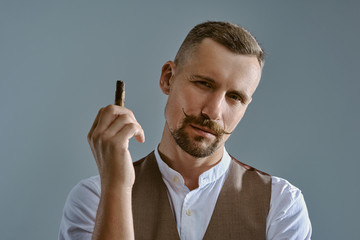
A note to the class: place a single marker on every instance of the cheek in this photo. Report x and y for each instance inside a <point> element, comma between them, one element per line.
<point>173,112</point>
<point>233,118</point>
<point>187,99</point>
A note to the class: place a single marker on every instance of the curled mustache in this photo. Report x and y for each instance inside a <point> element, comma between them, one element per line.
<point>205,122</point>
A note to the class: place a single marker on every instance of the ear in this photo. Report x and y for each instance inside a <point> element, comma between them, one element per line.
<point>167,76</point>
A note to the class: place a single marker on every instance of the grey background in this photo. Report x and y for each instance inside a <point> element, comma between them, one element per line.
<point>59,61</point>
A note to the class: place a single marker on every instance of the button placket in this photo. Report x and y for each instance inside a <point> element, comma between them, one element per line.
<point>187,200</point>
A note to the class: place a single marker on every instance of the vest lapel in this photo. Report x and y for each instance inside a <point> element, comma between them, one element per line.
<point>153,217</point>
<point>240,212</point>
<point>242,206</point>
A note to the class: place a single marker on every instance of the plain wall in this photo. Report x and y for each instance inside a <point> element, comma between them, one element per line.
<point>59,61</point>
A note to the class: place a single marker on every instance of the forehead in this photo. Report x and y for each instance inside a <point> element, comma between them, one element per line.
<point>214,60</point>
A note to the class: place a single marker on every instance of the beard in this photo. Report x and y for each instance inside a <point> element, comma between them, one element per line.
<point>198,146</point>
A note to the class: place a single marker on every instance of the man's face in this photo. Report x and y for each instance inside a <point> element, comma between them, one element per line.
<point>208,96</point>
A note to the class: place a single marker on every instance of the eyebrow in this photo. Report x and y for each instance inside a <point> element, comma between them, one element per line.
<point>246,98</point>
<point>203,77</point>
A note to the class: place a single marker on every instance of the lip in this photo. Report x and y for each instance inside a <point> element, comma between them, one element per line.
<point>203,130</point>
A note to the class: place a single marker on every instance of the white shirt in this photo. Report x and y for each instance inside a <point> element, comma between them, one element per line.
<point>287,219</point>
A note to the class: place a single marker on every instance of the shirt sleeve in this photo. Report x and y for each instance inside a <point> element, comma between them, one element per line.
<point>288,216</point>
<point>80,209</point>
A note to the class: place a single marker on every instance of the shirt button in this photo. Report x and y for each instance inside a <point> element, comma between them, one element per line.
<point>176,179</point>
<point>188,212</point>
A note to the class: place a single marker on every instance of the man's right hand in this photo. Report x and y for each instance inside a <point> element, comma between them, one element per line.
<point>109,141</point>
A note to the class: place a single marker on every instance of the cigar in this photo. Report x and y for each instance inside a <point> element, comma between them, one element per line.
<point>120,93</point>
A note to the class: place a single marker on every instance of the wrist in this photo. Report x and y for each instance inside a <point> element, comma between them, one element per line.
<point>116,187</point>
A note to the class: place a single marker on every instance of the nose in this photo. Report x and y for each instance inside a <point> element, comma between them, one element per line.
<point>213,106</point>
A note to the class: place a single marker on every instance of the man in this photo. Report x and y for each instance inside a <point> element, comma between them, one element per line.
<point>189,187</point>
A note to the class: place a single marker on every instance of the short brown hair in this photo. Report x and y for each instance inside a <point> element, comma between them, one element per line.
<point>233,37</point>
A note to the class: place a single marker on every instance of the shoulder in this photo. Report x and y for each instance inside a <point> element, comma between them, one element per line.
<point>145,161</point>
<point>285,196</point>
<point>253,175</point>
<point>248,167</point>
<point>86,190</point>
<point>80,209</point>
<point>84,195</point>
<point>89,184</point>
<point>140,161</point>
<point>288,215</point>
<point>284,190</point>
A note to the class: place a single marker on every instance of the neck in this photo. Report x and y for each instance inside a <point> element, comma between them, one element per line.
<point>188,166</point>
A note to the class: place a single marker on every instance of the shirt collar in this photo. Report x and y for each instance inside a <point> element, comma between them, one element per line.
<point>211,175</point>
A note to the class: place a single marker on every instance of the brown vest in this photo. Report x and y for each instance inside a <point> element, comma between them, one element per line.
<point>240,212</point>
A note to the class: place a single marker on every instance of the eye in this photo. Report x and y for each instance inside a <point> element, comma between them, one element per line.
<point>235,97</point>
<point>204,84</point>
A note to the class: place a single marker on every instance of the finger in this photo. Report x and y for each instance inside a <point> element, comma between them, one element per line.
<point>119,123</point>
<point>108,115</point>
<point>128,131</point>
<point>140,137</point>
<point>126,121</point>
<point>95,123</point>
